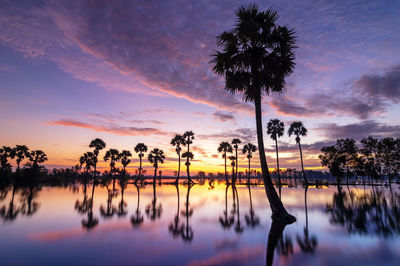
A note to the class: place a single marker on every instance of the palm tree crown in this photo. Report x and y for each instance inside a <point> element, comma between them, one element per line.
<point>113,155</point>
<point>21,152</point>
<point>156,156</point>
<point>37,157</point>
<point>275,128</point>
<point>225,147</point>
<point>249,149</point>
<point>297,128</point>
<point>97,144</point>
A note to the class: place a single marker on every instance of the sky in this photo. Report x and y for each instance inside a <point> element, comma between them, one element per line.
<point>138,71</point>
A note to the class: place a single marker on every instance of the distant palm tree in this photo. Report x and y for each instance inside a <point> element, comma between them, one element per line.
<point>249,149</point>
<point>235,143</point>
<point>257,55</point>
<point>98,145</point>
<point>177,141</point>
<point>124,155</point>
<point>276,129</point>
<point>20,152</point>
<point>140,148</point>
<point>155,157</point>
<point>233,163</point>
<point>37,157</point>
<point>113,156</point>
<point>87,159</point>
<point>297,129</point>
<point>5,153</point>
<point>189,137</point>
<point>137,218</point>
<point>225,148</point>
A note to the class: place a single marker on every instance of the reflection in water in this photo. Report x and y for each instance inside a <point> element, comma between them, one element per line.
<point>374,212</point>
<point>307,244</point>
<point>137,217</point>
<point>110,209</point>
<point>152,210</point>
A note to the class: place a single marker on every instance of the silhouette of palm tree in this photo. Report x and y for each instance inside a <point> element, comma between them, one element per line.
<point>175,228</point>
<point>20,152</point>
<point>238,226</point>
<point>37,157</point>
<point>307,244</point>
<point>297,129</point>
<point>235,143</point>
<point>82,207</point>
<point>226,222</point>
<point>29,205</point>
<point>124,155</point>
<point>177,141</point>
<point>113,156</point>
<point>225,147</point>
<point>87,159</point>
<point>251,219</point>
<point>110,209</point>
<point>155,157</point>
<point>276,129</point>
<point>122,205</point>
<point>140,148</point>
<point>257,55</point>
<point>5,153</point>
<point>249,149</point>
<point>137,218</point>
<point>187,231</point>
<point>233,163</point>
<point>188,137</point>
<point>98,145</point>
<point>152,210</point>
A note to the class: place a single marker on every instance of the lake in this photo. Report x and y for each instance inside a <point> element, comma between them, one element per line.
<point>206,224</point>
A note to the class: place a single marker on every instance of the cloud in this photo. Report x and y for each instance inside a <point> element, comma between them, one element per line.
<point>113,129</point>
<point>359,130</point>
<point>386,86</point>
<point>244,134</point>
<point>223,117</point>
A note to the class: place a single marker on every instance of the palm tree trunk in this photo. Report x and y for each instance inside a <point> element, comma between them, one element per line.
<point>155,175</point>
<point>179,167</point>
<point>187,164</point>
<point>236,163</point>
<point>226,175</point>
<point>277,160</point>
<point>248,174</point>
<point>302,165</point>
<point>278,210</point>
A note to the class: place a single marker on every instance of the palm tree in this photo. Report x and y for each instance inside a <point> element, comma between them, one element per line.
<point>114,156</point>
<point>98,145</point>
<point>177,141</point>
<point>225,147</point>
<point>257,55</point>
<point>87,159</point>
<point>249,149</point>
<point>21,152</point>
<point>5,153</point>
<point>124,155</point>
<point>276,129</point>
<point>155,157</point>
<point>235,143</point>
<point>140,148</point>
<point>137,218</point>
<point>233,163</point>
<point>37,157</point>
<point>188,137</point>
<point>297,129</point>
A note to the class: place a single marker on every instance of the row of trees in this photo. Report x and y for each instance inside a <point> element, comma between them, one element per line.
<point>373,158</point>
<point>20,153</point>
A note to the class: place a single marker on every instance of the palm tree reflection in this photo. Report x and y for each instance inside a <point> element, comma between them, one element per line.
<point>137,217</point>
<point>91,221</point>
<point>187,231</point>
<point>175,228</point>
<point>225,221</point>
<point>238,226</point>
<point>29,205</point>
<point>152,210</point>
<point>10,213</point>
<point>251,218</point>
<point>307,244</point>
<point>122,205</point>
<point>109,210</point>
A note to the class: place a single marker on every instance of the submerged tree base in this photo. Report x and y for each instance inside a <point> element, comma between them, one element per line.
<point>284,218</point>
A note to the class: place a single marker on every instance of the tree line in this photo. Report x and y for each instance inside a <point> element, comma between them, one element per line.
<point>373,158</point>
<point>20,153</point>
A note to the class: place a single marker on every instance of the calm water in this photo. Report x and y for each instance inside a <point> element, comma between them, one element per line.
<point>205,226</point>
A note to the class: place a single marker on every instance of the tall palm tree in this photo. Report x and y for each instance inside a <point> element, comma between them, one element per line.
<point>20,152</point>
<point>225,148</point>
<point>87,159</point>
<point>276,129</point>
<point>297,128</point>
<point>124,155</point>
<point>177,141</point>
<point>249,149</point>
<point>257,55</point>
<point>98,145</point>
<point>233,163</point>
<point>189,137</point>
<point>140,148</point>
<point>37,157</point>
<point>5,153</point>
<point>155,157</point>
<point>235,143</point>
<point>113,156</point>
